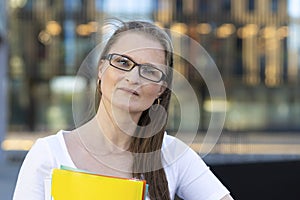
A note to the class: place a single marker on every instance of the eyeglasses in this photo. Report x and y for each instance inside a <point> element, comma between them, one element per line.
<point>147,71</point>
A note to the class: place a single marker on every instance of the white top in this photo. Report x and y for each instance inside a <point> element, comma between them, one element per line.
<point>188,176</point>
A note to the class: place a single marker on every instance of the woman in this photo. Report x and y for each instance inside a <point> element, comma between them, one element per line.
<point>126,137</point>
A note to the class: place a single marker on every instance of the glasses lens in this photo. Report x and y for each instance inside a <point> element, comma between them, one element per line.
<point>151,73</point>
<point>121,62</point>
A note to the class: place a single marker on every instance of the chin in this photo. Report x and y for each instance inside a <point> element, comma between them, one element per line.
<point>129,108</point>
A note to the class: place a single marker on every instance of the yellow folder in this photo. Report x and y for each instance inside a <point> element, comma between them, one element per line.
<point>77,185</point>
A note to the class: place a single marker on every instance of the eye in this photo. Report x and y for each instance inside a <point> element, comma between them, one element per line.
<point>121,62</point>
<point>149,70</point>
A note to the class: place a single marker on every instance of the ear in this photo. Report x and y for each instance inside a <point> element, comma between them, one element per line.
<point>161,90</point>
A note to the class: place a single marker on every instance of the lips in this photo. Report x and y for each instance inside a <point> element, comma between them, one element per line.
<point>132,91</point>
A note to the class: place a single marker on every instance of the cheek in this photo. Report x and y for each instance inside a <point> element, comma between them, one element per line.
<point>151,91</point>
<point>108,81</point>
<point>150,95</point>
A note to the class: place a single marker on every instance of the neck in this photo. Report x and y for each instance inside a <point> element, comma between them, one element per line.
<point>117,125</point>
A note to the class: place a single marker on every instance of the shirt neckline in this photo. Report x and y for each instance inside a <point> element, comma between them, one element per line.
<point>64,148</point>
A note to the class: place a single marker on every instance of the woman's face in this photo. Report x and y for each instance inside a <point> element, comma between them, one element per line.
<point>127,89</point>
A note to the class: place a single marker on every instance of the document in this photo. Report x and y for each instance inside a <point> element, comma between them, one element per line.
<point>73,184</point>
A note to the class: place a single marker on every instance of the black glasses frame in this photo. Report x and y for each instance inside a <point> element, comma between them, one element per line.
<point>109,58</point>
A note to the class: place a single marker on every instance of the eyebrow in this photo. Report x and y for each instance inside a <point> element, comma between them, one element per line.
<point>146,63</point>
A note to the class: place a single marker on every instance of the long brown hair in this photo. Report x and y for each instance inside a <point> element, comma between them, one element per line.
<point>147,162</point>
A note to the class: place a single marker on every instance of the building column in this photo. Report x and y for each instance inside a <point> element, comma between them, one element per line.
<point>3,74</point>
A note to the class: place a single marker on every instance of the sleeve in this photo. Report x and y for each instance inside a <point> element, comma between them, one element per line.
<point>196,181</point>
<point>36,167</point>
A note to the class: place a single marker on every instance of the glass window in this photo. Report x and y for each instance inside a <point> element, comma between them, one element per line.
<point>226,5</point>
<point>56,45</point>
<point>274,6</point>
<point>251,5</point>
<point>203,6</point>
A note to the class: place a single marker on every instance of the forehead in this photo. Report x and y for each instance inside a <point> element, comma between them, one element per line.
<point>140,46</point>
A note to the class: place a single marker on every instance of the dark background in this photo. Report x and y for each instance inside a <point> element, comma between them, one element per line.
<point>265,180</point>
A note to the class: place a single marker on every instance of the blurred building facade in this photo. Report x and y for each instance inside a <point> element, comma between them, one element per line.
<point>3,73</point>
<point>254,44</point>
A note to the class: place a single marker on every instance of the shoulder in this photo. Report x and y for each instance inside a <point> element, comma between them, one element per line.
<point>180,157</point>
<point>181,163</point>
<point>43,148</point>
<point>187,173</point>
<point>36,168</point>
<point>52,141</point>
<point>176,151</point>
<point>42,157</point>
<point>45,151</point>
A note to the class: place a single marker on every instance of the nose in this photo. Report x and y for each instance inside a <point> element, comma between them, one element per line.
<point>133,75</point>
